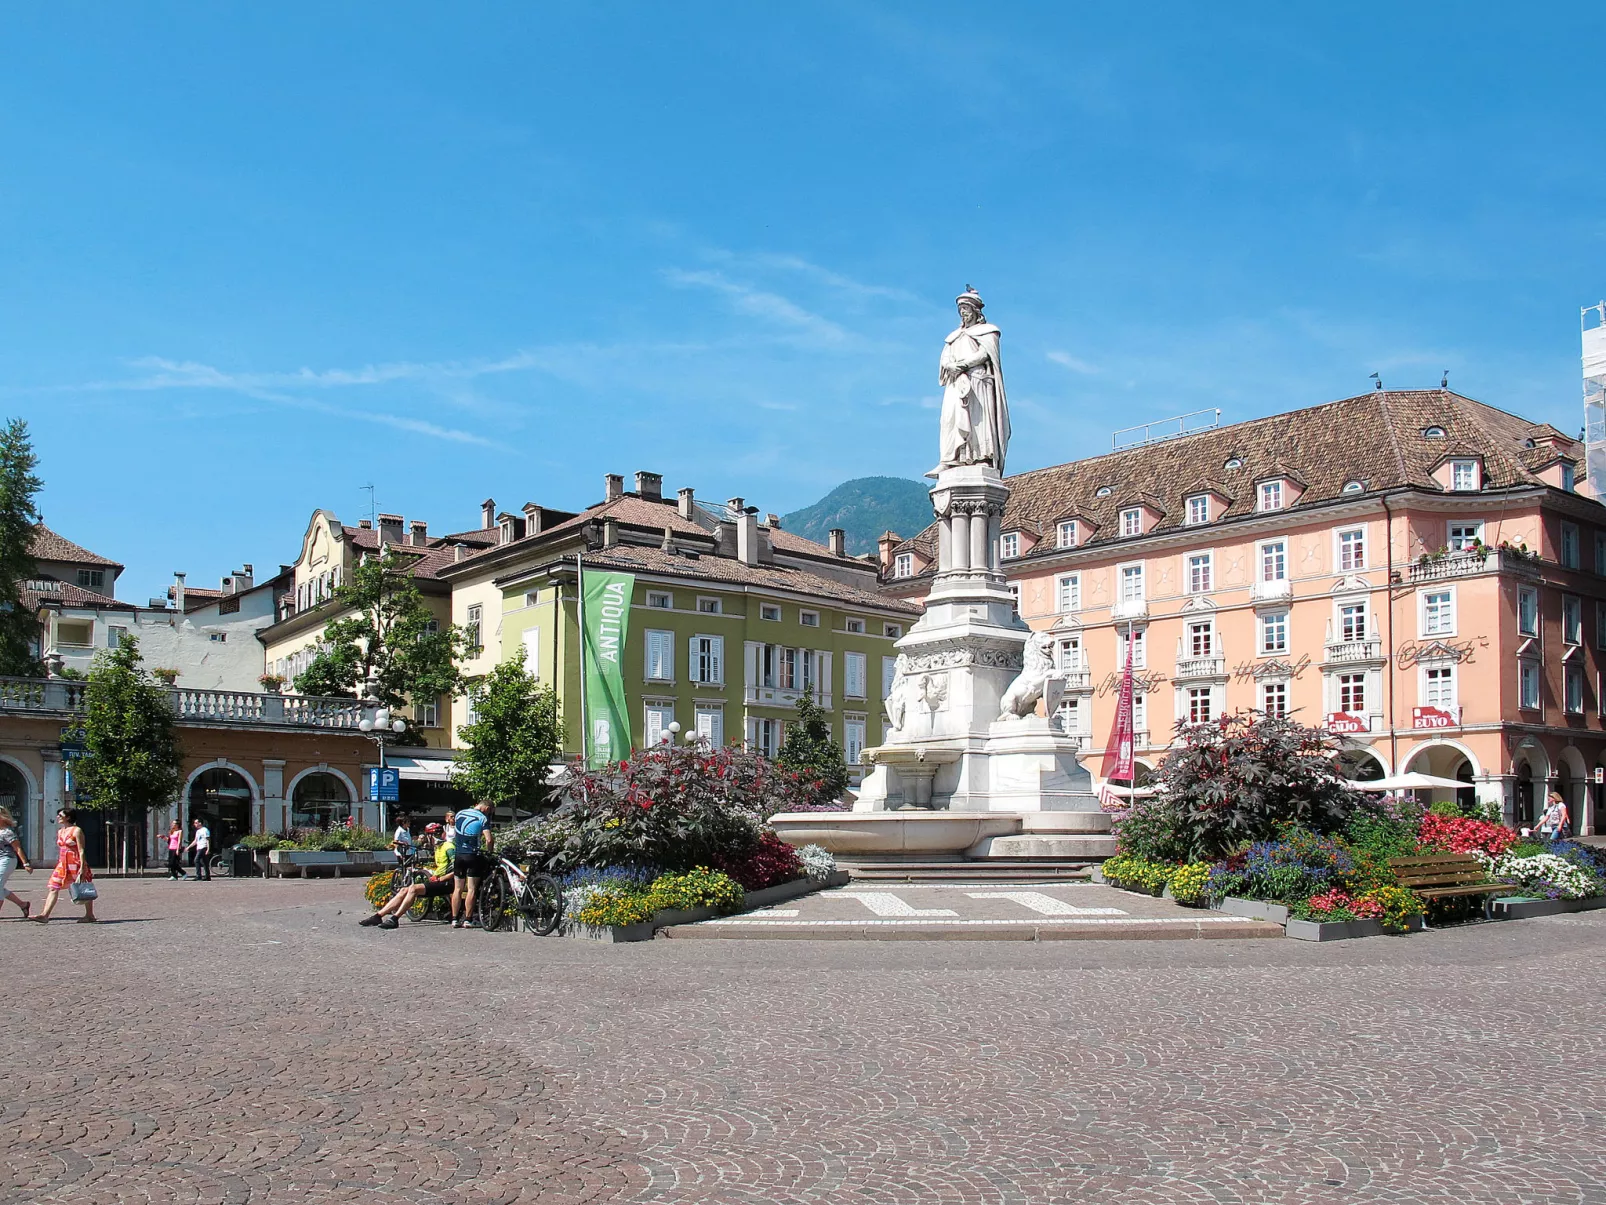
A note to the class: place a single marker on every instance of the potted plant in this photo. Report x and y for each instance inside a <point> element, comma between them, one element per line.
<point>272,683</point>
<point>168,677</point>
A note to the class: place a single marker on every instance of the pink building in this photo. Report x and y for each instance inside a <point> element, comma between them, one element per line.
<point>1413,569</point>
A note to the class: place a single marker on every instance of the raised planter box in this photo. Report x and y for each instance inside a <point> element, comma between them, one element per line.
<point>1514,907</point>
<point>1277,914</point>
<point>301,862</point>
<point>752,900</point>
<point>1309,930</point>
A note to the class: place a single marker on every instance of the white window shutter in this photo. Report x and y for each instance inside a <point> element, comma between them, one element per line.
<point>825,673</point>
<point>655,725</point>
<point>752,653</point>
<point>717,658</point>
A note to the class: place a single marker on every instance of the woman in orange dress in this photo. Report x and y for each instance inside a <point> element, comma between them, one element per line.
<point>71,867</point>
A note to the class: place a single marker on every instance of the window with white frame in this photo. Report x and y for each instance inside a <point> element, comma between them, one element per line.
<point>92,579</point>
<point>1132,521</point>
<point>214,637</point>
<point>1009,545</point>
<point>1140,646</point>
<point>1352,621</point>
<point>427,715</point>
<point>852,740</point>
<point>1572,619</point>
<point>1131,583</point>
<point>854,625</point>
<point>1274,699</point>
<point>1070,653</point>
<point>1438,687</point>
<point>889,670</point>
<point>1569,545</point>
<point>1352,549</point>
<point>1463,474</point>
<point>1572,681</point>
<point>770,612</point>
<point>903,565</point>
<point>892,630</point>
<point>471,702</point>
<point>658,718</point>
<point>661,600</point>
<point>853,675</point>
<point>1140,711</point>
<point>1438,613</point>
<point>1014,597</point>
<point>809,619</point>
<point>764,736</point>
<point>1198,510</point>
<point>1065,535</point>
<point>1201,639</point>
<point>1200,573</point>
<point>708,659</point>
<point>1528,685</point>
<point>1352,694</point>
<point>1068,593</point>
<point>1463,535</point>
<point>473,627</point>
<point>1069,714</point>
<point>709,606</point>
<point>1569,478</point>
<point>1527,611</point>
<point>1271,495</point>
<point>711,724</point>
<point>1274,632</point>
<point>1199,699</point>
<point>115,634</point>
<point>660,656</point>
<point>1274,561</point>
<point>532,598</point>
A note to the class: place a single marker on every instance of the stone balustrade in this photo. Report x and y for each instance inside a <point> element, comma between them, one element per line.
<point>60,695</point>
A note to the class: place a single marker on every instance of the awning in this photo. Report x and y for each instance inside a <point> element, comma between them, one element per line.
<point>421,769</point>
<point>1409,782</point>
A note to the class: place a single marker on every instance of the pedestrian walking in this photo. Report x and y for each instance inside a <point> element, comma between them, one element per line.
<point>469,864</point>
<point>202,845</point>
<point>175,851</point>
<point>1555,823</point>
<point>72,870</point>
<point>11,856</point>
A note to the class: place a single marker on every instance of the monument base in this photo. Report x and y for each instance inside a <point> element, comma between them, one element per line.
<point>913,835</point>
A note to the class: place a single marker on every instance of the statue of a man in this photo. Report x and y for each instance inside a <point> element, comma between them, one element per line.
<point>975,413</point>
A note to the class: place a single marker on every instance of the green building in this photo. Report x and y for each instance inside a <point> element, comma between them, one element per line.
<point>731,618</point>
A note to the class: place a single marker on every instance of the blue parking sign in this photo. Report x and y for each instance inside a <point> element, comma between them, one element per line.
<point>384,784</point>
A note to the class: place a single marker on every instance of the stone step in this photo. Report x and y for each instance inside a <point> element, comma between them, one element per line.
<point>992,870</point>
<point>1138,930</point>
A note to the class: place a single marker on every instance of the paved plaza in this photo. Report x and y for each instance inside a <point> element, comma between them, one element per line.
<point>247,1042</point>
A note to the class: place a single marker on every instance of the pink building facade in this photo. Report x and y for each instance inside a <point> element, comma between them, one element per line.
<point>1413,570</point>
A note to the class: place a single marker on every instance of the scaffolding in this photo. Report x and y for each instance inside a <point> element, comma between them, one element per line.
<point>1592,325</point>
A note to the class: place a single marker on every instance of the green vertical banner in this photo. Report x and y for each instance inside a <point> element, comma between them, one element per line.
<point>605,601</point>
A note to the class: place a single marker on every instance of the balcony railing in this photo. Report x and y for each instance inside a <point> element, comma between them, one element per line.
<point>1130,608</point>
<point>1471,561</point>
<point>193,706</point>
<point>1264,591</point>
<point>1078,677</point>
<point>781,696</point>
<point>1213,665</point>
<point>1342,651</point>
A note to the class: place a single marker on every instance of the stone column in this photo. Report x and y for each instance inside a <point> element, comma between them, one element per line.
<point>272,815</point>
<point>982,550</point>
<point>959,543</point>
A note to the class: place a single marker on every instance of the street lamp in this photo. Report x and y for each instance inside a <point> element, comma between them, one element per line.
<point>667,736</point>
<point>377,725</point>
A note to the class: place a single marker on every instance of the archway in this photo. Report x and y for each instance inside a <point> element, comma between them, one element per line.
<point>1529,783</point>
<point>1142,774</point>
<point>1571,780</point>
<point>319,799</point>
<point>17,799</point>
<point>1446,759</point>
<point>221,796</point>
<point>1361,764</point>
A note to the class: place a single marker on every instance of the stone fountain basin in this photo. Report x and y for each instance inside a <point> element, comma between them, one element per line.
<point>893,833</point>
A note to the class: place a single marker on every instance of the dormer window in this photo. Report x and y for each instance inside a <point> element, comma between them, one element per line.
<point>1569,478</point>
<point>1132,521</point>
<point>1009,545</point>
<point>1233,462</point>
<point>903,565</point>
<point>1463,474</point>
<point>1198,510</point>
<point>1104,491</point>
<point>1065,536</point>
<point>1271,495</point>
<point>1354,487</point>
<point>1432,432</point>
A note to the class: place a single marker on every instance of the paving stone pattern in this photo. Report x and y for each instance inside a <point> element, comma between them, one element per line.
<point>246,1042</point>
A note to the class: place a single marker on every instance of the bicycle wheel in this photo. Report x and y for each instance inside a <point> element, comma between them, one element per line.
<point>490,905</point>
<point>419,909</point>
<point>542,904</point>
<point>222,867</point>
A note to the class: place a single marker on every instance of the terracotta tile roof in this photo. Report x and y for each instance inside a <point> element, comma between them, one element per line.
<point>728,571</point>
<point>790,541</point>
<point>1376,438</point>
<point>484,537</point>
<point>48,591</point>
<point>48,546</point>
<point>638,512</point>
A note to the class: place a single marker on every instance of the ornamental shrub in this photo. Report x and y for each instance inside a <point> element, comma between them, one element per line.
<point>818,862</point>
<point>1290,870</point>
<point>1152,829</point>
<point>1394,907</point>
<point>605,906</point>
<point>1247,776</point>
<point>1190,882</point>
<point>815,760</point>
<point>1461,835</point>
<point>1136,874</point>
<point>379,888</point>
<point>700,888</point>
<point>769,862</point>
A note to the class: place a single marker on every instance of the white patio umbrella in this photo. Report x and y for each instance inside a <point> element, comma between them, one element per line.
<point>1409,782</point>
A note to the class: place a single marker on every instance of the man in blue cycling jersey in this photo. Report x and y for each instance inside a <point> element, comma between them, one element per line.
<point>472,861</point>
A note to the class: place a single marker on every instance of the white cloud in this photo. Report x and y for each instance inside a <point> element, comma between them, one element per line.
<point>759,302</point>
<point>1067,360</point>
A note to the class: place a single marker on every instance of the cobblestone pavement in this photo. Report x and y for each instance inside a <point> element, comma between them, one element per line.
<point>246,1042</point>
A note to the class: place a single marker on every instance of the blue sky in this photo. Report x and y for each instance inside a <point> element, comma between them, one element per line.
<point>252,258</point>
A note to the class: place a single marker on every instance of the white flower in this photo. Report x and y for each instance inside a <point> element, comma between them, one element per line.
<point>1538,872</point>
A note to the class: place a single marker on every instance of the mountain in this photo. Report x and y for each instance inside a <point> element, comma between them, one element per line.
<point>864,508</point>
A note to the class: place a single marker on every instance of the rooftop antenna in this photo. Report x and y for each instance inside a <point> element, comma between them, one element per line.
<point>373,512</point>
<point>1378,379</point>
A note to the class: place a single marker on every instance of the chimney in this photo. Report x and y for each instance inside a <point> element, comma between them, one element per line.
<point>772,521</point>
<point>365,524</point>
<point>837,541</point>
<point>668,544</point>
<point>249,570</point>
<point>457,552</point>
<point>533,519</point>
<point>178,592</point>
<point>390,529</point>
<point>736,506</point>
<point>419,537</point>
<point>888,541</point>
<point>610,531</point>
<point>747,536</point>
<point>488,514</point>
<point>650,486</point>
<point>688,503</point>
<point>613,486</point>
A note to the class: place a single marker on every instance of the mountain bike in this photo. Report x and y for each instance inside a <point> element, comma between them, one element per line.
<point>508,890</point>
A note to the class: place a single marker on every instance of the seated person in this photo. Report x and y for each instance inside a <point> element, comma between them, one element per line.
<point>437,886</point>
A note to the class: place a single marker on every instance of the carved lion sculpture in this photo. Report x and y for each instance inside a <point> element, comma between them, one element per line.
<point>1020,700</point>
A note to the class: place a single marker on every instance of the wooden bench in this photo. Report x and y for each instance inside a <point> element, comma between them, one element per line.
<point>1446,876</point>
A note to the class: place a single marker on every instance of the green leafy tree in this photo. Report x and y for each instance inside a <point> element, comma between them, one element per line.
<point>509,748</point>
<point>810,752</point>
<point>389,634</point>
<point>19,484</point>
<point>133,760</point>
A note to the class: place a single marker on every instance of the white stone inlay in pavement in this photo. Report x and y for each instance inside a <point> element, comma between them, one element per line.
<point>1069,922</point>
<point>776,912</point>
<point>1043,905</point>
<point>885,903</point>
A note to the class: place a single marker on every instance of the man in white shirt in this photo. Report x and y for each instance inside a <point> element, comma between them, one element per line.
<point>202,845</point>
